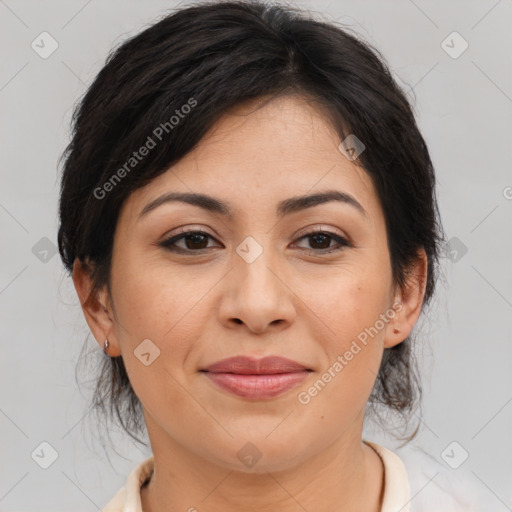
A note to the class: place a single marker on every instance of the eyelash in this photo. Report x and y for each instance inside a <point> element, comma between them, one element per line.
<point>168,243</point>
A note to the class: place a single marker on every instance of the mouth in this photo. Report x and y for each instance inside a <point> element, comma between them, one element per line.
<point>256,378</point>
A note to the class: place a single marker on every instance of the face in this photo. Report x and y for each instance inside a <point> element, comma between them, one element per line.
<point>310,282</point>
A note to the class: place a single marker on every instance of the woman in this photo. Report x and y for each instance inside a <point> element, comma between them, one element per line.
<point>248,212</point>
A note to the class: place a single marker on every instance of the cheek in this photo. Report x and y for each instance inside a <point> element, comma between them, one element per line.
<point>166,315</point>
<point>352,359</point>
<point>352,299</point>
<point>154,304</point>
<point>352,307</point>
<point>153,297</point>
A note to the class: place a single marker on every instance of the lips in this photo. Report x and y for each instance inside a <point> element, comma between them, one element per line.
<point>250,366</point>
<point>256,378</point>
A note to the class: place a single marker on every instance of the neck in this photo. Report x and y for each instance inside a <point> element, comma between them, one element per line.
<point>346,476</point>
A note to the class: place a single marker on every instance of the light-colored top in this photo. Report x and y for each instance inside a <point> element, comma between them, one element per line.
<point>429,492</point>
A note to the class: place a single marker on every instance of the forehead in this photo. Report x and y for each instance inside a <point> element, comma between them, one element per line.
<point>263,152</point>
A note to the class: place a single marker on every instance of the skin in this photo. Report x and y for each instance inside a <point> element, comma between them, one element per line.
<point>203,306</point>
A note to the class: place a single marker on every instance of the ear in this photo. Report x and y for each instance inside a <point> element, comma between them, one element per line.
<point>408,301</point>
<point>96,308</point>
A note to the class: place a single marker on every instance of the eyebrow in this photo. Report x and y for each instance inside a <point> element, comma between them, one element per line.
<point>285,207</point>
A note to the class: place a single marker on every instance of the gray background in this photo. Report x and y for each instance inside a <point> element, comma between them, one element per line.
<point>464,110</point>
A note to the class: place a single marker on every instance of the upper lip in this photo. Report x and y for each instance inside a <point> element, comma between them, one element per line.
<point>253,366</point>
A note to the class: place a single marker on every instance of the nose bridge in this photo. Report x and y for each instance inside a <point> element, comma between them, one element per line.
<point>253,265</point>
<point>258,296</point>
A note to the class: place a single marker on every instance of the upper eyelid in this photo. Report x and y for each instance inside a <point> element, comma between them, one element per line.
<point>302,232</point>
<point>319,229</point>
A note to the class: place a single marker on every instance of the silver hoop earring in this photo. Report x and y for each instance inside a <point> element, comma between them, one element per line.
<point>105,347</point>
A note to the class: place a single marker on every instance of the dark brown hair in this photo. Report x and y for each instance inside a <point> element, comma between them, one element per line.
<point>222,54</point>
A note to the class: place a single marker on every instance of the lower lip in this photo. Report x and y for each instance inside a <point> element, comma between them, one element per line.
<point>257,386</point>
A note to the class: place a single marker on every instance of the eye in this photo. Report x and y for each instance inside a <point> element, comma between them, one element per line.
<point>197,241</point>
<point>194,241</point>
<point>323,239</point>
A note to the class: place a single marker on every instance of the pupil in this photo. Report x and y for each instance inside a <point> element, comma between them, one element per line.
<point>195,239</point>
<point>325,239</point>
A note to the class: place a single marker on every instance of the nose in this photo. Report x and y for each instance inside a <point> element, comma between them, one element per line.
<point>256,295</point>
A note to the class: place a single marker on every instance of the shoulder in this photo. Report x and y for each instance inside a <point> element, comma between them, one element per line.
<point>127,499</point>
<point>116,504</point>
<point>436,487</point>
